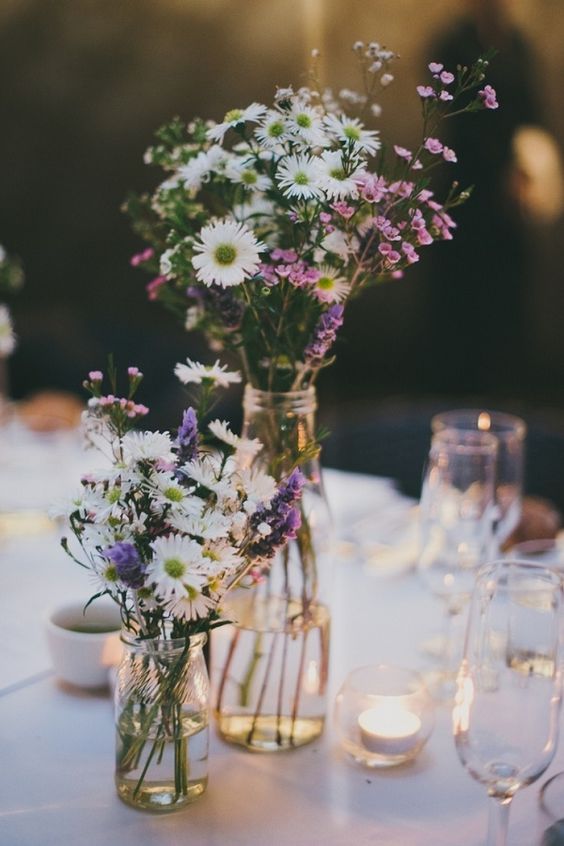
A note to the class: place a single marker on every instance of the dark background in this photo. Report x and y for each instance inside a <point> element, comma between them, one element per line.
<point>83,86</point>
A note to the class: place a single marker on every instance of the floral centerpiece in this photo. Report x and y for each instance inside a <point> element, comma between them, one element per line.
<point>269,222</point>
<point>166,529</point>
<point>266,225</point>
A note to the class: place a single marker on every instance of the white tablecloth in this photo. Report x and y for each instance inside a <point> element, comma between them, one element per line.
<point>56,779</point>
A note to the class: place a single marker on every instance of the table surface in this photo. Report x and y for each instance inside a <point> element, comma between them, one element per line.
<point>56,781</point>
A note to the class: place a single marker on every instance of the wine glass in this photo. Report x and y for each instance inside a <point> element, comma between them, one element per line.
<point>548,552</point>
<point>510,432</point>
<point>456,531</point>
<point>507,704</point>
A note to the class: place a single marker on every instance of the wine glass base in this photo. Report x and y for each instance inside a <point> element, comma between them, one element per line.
<point>552,798</point>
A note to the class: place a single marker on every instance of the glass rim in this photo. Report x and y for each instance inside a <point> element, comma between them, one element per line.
<point>510,424</point>
<point>500,564</point>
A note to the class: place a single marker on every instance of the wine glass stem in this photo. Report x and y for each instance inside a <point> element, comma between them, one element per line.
<point>498,821</point>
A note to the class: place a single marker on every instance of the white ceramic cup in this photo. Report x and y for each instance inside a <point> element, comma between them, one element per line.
<point>84,645</point>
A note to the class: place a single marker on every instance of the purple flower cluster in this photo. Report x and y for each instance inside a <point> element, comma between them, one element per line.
<point>282,517</point>
<point>130,568</point>
<point>286,265</point>
<point>187,436</point>
<point>324,335</point>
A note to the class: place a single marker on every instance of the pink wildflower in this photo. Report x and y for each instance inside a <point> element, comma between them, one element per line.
<point>425,91</point>
<point>402,152</point>
<point>343,209</point>
<point>372,188</point>
<point>153,287</point>
<point>433,145</point>
<point>133,372</point>
<point>446,77</point>
<point>140,258</point>
<point>489,97</point>
<point>397,274</point>
<point>95,375</point>
<point>435,67</point>
<point>417,165</point>
<point>424,237</point>
<point>445,96</point>
<point>325,217</point>
<point>425,195</point>
<point>409,252</point>
<point>449,155</point>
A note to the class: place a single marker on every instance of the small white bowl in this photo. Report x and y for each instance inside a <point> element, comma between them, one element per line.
<point>84,645</point>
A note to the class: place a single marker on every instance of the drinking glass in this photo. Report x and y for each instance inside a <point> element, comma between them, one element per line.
<point>510,432</point>
<point>456,530</point>
<point>507,704</point>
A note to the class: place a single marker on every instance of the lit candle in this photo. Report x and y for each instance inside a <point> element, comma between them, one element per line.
<point>389,728</point>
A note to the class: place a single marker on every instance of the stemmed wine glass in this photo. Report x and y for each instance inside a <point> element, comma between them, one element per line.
<point>507,704</point>
<point>510,432</point>
<point>456,529</point>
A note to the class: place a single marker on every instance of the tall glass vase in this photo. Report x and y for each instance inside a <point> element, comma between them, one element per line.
<point>270,667</point>
<point>162,705</point>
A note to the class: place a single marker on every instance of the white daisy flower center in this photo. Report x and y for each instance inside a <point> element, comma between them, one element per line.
<point>173,494</point>
<point>225,254</point>
<point>276,129</point>
<point>233,115</point>
<point>301,178</point>
<point>352,132</point>
<point>326,283</point>
<point>174,568</point>
<point>338,173</point>
<point>304,121</point>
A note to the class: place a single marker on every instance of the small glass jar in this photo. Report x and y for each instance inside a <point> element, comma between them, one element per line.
<point>162,704</point>
<point>383,715</point>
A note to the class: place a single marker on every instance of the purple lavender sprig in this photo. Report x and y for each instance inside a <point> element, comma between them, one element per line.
<point>282,517</point>
<point>129,567</point>
<point>187,437</point>
<point>324,335</point>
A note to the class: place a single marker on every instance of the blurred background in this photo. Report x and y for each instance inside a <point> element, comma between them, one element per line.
<point>85,83</point>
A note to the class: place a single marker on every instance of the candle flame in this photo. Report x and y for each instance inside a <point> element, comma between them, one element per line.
<point>484,421</point>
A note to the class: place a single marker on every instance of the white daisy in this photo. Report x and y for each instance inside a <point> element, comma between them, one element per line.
<point>7,336</point>
<point>195,373</point>
<point>192,605</point>
<point>167,491</point>
<point>330,287</point>
<point>298,177</point>
<point>306,124</point>
<point>234,117</point>
<point>333,179</point>
<point>273,130</point>
<point>192,174</point>
<point>258,486</point>
<point>207,471</point>
<point>147,446</point>
<point>227,254</point>
<point>351,130</point>
<point>242,172</point>
<point>210,525</point>
<point>177,566</point>
<point>223,557</point>
<point>244,447</point>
